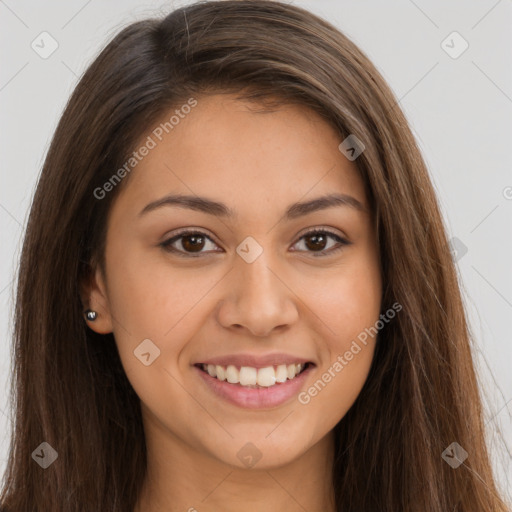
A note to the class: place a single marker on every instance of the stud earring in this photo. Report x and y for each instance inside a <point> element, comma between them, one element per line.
<point>91,315</point>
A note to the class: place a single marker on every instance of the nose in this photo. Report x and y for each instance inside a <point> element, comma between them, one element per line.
<point>258,298</point>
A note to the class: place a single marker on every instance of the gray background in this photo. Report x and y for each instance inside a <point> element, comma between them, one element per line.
<point>460,110</point>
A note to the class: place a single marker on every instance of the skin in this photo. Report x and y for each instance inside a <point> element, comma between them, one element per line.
<point>287,300</point>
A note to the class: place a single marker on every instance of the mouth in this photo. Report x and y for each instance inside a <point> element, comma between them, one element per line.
<point>248,387</point>
<point>255,378</point>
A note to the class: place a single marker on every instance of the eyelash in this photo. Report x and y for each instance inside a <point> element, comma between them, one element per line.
<point>167,244</point>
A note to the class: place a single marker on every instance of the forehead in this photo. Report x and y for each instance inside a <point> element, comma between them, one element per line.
<point>224,148</point>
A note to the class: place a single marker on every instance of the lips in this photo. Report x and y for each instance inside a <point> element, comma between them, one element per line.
<point>255,381</point>
<point>255,396</point>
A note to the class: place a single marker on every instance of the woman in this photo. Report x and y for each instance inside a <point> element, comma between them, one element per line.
<point>236,290</point>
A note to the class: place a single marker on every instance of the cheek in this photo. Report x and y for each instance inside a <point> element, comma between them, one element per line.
<point>152,301</point>
<point>349,308</point>
<point>349,302</point>
<point>148,296</point>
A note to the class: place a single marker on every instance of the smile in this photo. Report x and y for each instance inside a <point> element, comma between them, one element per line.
<point>248,376</point>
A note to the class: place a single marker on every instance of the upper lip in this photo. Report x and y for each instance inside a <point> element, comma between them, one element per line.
<point>255,361</point>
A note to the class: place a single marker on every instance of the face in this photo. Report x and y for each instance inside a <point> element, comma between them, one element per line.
<point>266,277</point>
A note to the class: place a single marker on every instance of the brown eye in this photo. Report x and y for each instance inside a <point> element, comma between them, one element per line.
<point>193,243</point>
<point>189,243</point>
<point>317,241</point>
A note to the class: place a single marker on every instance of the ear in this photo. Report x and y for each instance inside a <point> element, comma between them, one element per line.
<point>94,296</point>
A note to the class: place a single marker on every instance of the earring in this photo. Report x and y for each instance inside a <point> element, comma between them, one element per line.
<point>91,315</point>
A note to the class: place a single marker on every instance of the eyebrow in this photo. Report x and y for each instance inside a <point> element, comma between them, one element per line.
<point>218,209</point>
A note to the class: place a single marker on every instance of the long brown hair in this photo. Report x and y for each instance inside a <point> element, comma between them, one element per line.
<point>69,388</point>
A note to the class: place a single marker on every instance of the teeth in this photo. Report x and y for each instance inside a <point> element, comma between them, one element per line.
<point>254,377</point>
<point>221,372</point>
<point>281,373</point>
<point>267,376</point>
<point>232,374</point>
<point>248,376</point>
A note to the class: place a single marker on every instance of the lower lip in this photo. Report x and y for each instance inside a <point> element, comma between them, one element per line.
<point>256,398</point>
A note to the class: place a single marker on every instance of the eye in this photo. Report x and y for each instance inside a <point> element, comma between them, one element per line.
<point>193,242</point>
<point>317,241</point>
